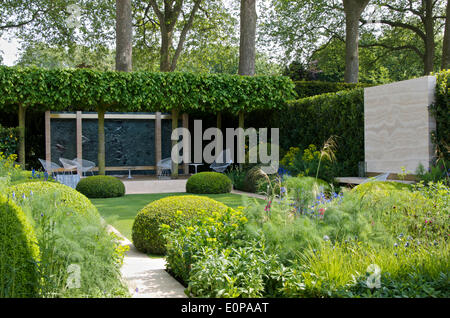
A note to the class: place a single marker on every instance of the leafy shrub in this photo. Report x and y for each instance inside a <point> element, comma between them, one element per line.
<point>441,112</point>
<point>73,242</point>
<point>437,172</point>
<point>314,119</point>
<point>18,252</point>
<point>8,140</point>
<point>255,180</point>
<point>146,234</point>
<point>101,187</point>
<point>67,197</point>
<point>237,177</point>
<point>233,272</point>
<point>208,182</point>
<point>216,230</point>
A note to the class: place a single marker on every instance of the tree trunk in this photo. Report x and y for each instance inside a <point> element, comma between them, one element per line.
<point>124,36</point>
<point>22,136</point>
<point>446,43</point>
<point>353,10</point>
<point>174,142</point>
<point>101,141</point>
<point>429,43</point>
<point>247,37</point>
<point>166,44</point>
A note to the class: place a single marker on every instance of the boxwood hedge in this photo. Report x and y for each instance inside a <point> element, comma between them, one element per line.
<point>208,182</point>
<point>19,253</point>
<point>146,234</point>
<point>101,187</point>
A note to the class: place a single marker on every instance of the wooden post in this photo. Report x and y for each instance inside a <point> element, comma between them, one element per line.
<point>219,143</point>
<point>22,136</point>
<point>158,152</point>
<point>241,125</point>
<point>101,141</point>
<point>186,145</point>
<point>79,138</point>
<point>48,139</point>
<point>174,142</point>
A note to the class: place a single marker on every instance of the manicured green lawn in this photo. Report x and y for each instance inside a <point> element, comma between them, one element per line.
<point>120,212</point>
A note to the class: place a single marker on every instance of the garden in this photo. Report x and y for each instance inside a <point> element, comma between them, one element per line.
<point>322,76</point>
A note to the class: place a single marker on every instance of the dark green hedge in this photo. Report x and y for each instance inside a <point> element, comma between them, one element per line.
<point>85,89</point>
<point>101,187</point>
<point>208,183</point>
<point>312,88</point>
<point>9,140</point>
<point>441,112</point>
<point>313,120</point>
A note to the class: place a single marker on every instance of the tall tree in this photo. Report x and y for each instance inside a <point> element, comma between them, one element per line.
<point>420,18</point>
<point>167,19</point>
<point>247,38</point>
<point>124,35</point>
<point>353,10</point>
<point>445,63</point>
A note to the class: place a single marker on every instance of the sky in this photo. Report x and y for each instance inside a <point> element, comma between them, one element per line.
<point>10,51</point>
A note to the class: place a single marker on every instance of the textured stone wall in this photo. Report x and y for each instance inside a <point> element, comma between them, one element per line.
<point>398,125</point>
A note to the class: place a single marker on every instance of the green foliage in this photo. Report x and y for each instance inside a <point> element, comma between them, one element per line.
<point>310,162</point>
<point>436,173</point>
<point>232,272</point>
<point>208,183</point>
<point>18,252</point>
<point>68,239</point>
<point>67,197</point>
<point>312,88</point>
<point>146,234</point>
<point>314,119</point>
<point>101,187</point>
<point>9,140</point>
<point>255,180</point>
<point>237,177</point>
<point>84,89</point>
<point>373,186</point>
<point>208,231</point>
<point>441,111</point>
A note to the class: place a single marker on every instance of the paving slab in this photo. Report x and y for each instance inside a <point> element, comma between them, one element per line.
<point>146,277</point>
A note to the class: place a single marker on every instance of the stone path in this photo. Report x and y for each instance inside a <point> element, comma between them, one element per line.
<point>138,186</point>
<point>146,277</point>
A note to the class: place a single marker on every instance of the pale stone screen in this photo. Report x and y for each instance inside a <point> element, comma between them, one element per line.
<point>398,125</point>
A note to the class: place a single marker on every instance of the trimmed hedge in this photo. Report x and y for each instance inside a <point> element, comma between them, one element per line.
<point>441,112</point>
<point>69,197</point>
<point>18,253</point>
<point>101,187</point>
<point>146,234</point>
<point>86,90</point>
<point>208,182</point>
<point>312,88</point>
<point>314,119</point>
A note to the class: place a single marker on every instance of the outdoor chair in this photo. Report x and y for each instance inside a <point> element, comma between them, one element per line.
<point>380,177</point>
<point>222,161</point>
<point>84,165</point>
<point>68,165</point>
<point>164,167</point>
<point>50,167</point>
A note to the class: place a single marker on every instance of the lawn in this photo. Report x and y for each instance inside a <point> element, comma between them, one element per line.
<point>120,212</point>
